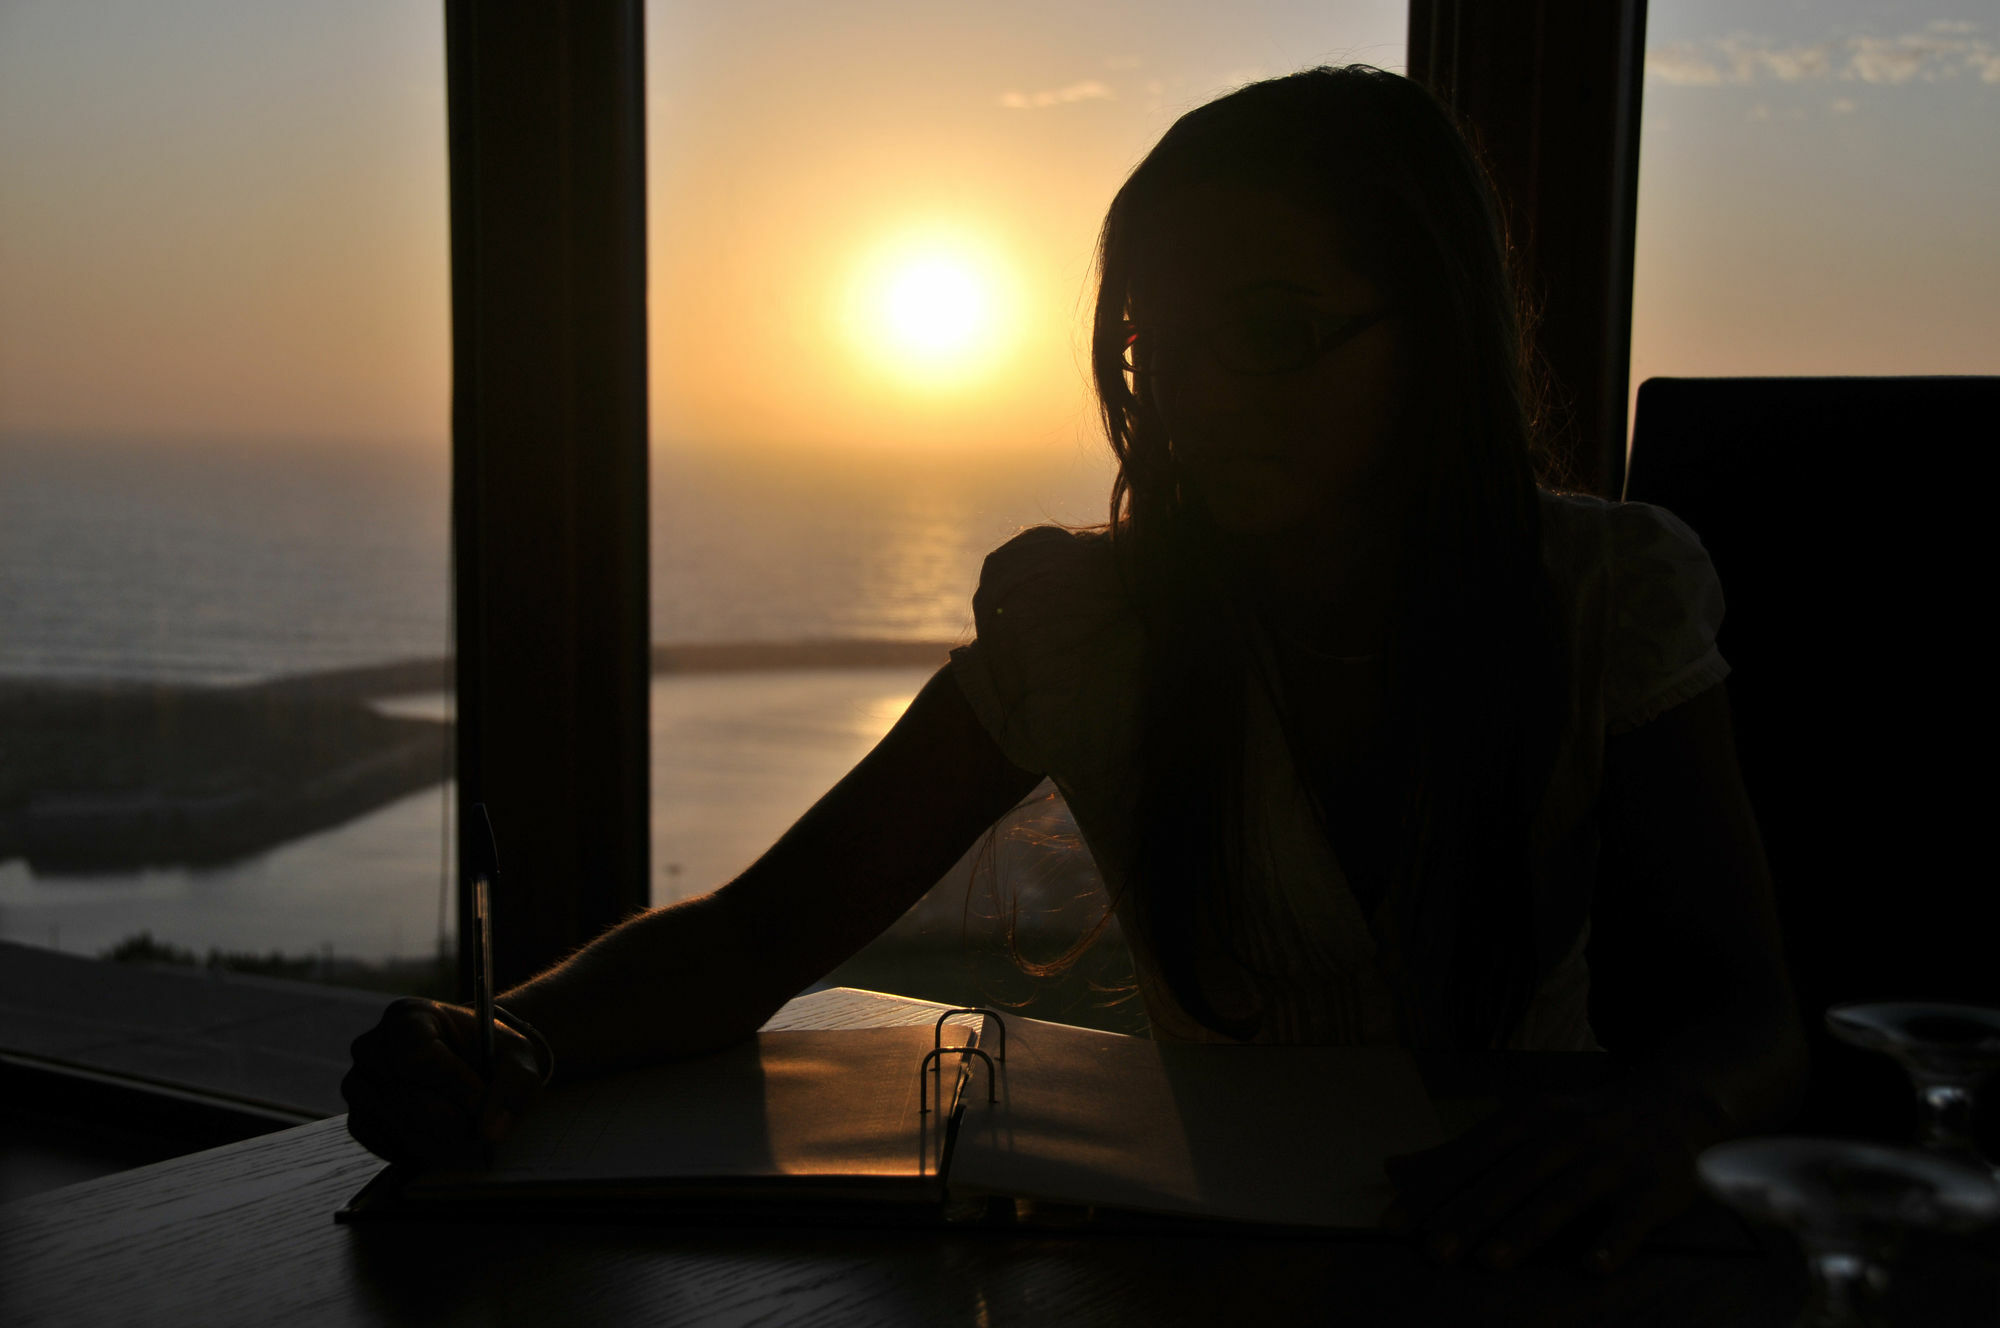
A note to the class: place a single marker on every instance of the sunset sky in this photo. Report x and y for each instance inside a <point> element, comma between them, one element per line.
<point>1818,186</point>
<point>871,223</point>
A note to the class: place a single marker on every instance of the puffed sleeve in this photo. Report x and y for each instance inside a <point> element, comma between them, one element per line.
<point>1666,605</point>
<point>1052,672</point>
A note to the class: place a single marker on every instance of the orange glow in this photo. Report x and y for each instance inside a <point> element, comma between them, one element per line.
<point>870,228</point>
<point>929,312</point>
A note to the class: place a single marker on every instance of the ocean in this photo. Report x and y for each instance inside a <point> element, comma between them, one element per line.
<point>219,563</point>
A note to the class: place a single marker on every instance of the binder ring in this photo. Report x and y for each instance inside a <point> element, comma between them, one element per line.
<point>924,1080</point>
<point>937,1029</point>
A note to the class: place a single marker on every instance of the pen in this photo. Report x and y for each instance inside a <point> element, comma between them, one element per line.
<point>484,868</point>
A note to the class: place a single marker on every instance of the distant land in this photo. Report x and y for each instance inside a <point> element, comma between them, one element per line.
<point>113,776</point>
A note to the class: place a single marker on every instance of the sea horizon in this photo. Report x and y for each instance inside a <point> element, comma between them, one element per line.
<point>222,563</point>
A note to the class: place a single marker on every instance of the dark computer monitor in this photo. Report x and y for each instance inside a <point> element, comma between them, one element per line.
<point>1853,540</point>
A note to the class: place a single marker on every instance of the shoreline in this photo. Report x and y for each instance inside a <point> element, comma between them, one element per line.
<point>108,775</point>
<point>400,677</point>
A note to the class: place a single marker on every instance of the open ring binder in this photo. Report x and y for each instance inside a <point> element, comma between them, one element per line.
<point>924,1079</point>
<point>937,1029</point>
<point>939,1051</point>
<point>817,1124</point>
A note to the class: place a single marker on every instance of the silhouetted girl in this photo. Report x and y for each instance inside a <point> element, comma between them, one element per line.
<point>1347,708</point>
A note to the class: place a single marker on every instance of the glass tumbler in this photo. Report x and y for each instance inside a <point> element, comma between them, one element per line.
<point>1947,1050</point>
<point>1851,1206</point>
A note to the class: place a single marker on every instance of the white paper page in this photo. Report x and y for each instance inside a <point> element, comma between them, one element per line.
<point>791,1104</point>
<point>1292,1135</point>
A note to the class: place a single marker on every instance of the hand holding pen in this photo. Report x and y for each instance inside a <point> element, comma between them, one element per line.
<point>434,1083</point>
<point>483,867</point>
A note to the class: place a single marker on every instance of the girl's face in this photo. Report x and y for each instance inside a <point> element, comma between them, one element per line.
<point>1277,369</point>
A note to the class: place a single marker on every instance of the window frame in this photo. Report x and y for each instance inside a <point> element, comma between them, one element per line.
<point>1563,148</point>
<point>546,110</point>
<point>549,414</point>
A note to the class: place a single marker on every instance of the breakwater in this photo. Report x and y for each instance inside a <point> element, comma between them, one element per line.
<point>111,776</point>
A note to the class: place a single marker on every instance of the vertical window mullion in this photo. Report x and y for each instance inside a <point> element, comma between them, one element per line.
<point>547,125</point>
<point>1551,92</point>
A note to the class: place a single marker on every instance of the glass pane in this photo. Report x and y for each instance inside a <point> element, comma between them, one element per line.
<point>1817,190</point>
<point>224,460</point>
<point>871,233</point>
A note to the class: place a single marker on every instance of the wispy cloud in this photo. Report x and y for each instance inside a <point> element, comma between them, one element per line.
<point>1684,65</point>
<point>1787,64</point>
<point>1088,90</point>
<point>1941,50</point>
<point>1926,55</point>
<point>1737,59</point>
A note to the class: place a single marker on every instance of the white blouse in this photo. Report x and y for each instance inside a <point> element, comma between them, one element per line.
<point>1055,677</point>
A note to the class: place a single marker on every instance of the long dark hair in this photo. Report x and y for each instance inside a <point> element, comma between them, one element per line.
<point>1476,694</point>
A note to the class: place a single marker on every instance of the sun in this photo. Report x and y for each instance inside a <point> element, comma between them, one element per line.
<point>930,311</point>
<point>935,307</point>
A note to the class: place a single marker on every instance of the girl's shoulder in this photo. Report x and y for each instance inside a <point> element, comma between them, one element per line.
<point>1056,653</point>
<point>1584,534</point>
<point>1050,560</point>
<point>1641,598</point>
<point>1054,590</point>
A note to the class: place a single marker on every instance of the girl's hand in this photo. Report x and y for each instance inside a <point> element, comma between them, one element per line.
<point>415,1094</point>
<point>1609,1166</point>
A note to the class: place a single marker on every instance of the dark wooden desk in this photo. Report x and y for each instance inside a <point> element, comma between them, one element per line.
<point>245,1234</point>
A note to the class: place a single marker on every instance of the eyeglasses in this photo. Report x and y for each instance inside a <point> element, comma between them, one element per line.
<point>1260,341</point>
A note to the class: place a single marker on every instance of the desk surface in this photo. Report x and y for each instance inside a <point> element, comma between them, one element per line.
<point>245,1234</point>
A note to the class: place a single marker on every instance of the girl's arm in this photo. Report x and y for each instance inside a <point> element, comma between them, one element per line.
<point>1692,914</point>
<point>1689,920</point>
<point>697,975</point>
